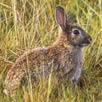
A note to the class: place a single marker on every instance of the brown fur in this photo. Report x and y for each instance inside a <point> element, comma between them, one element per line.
<point>39,57</point>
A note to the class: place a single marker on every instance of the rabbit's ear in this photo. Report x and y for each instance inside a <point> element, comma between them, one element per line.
<point>61,17</point>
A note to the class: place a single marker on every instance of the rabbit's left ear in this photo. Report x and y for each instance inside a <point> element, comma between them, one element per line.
<point>61,17</point>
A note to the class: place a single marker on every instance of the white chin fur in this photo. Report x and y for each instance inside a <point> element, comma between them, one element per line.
<point>84,45</point>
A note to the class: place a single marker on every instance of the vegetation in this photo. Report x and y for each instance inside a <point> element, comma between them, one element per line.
<point>26,24</point>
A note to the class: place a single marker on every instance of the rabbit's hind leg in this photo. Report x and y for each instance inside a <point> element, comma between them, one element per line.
<point>13,81</point>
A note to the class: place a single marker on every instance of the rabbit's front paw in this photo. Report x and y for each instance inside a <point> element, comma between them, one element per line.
<point>80,84</point>
<point>76,83</point>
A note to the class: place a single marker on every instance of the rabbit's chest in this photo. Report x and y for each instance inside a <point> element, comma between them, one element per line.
<point>71,65</point>
<point>77,67</point>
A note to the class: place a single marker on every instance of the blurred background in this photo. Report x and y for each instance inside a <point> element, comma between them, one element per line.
<point>26,24</point>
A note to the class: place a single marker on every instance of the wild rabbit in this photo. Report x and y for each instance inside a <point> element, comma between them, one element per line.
<point>64,56</point>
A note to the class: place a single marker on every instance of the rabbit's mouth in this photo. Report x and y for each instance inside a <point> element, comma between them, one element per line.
<point>86,42</point>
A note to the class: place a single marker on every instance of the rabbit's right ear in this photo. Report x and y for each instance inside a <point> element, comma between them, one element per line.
<point>61,17</point>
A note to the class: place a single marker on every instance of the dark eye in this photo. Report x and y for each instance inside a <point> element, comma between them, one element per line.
<point>76,32</point>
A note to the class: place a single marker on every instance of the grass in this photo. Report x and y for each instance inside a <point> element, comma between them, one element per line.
<point>27,24</point>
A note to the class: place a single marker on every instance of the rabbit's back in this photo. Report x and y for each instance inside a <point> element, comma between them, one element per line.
<point>35,61</point>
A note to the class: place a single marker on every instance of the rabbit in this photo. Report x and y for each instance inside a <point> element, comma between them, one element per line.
<point>63,58</point>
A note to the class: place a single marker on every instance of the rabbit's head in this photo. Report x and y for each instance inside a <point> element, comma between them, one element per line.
<point>75,34</point>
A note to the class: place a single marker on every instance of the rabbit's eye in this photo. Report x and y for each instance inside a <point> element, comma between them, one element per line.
<point>76,32</point>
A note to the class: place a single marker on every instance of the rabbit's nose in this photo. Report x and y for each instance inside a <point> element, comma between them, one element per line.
<point>89,39</point>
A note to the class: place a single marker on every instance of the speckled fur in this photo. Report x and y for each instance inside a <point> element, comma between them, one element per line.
<point>64,56</point>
